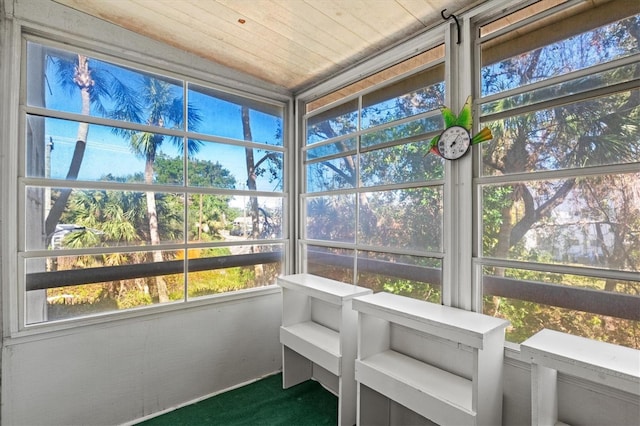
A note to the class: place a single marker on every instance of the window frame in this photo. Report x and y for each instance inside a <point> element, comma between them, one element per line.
<point>14,246</point>
<point>462,261</point>
<point>479,181</point>
<point>426,42</point>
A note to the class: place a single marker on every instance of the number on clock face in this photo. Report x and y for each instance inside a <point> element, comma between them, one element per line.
<point>454,142</point>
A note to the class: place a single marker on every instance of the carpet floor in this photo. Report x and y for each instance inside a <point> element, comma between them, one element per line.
<point>260,403</point>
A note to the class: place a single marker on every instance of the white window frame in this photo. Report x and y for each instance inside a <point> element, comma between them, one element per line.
<point>15,34</point>
<point>462,264</point>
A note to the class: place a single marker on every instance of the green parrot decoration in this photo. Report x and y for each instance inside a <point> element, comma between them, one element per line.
<point>465,120</point>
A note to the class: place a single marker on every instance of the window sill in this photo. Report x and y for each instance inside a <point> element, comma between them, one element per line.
<point>71,326</point>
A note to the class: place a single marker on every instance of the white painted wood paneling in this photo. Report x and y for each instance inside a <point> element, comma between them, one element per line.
<point>119,372</point>
<point>290,43</point>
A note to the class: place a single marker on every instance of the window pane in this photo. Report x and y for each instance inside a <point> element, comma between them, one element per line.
<point>401,105</point>
<point>340,120</point>
<point>222,217</point>
<point>92,284</point>
<point>331,218</point>
<point>230,116</point>
<point>329,262</point>
<point>328,175</point>
<point>223,269</point>
<point>105,218</point>
<point>581,51</point>
<point>410,276</point>
<point>229,168</point>
<point>401,117</point>
<point>401,131</point>
<point>103,143</point>
<point>602,309</point>
<point>165,148</point>
<point>340,147</point>
<point>407,219</point>
<point>592,221</point>
<point>76,83</point>
<point>578,85</point>
<point>409,162</point>
<point>599,131</point>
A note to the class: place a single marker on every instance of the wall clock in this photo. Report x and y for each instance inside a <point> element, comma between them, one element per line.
<point>455,140</point>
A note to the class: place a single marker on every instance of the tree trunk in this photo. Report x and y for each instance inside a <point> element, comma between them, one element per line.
<point>251,185</point>
<point>84,81</point>
<point>154,235</point>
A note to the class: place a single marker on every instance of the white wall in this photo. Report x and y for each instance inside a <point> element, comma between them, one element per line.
<point>113,373</point>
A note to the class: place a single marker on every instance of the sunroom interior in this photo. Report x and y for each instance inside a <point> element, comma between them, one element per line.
<point>191,192</point>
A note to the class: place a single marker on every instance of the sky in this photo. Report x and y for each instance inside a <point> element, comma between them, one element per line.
<point>109,153</point>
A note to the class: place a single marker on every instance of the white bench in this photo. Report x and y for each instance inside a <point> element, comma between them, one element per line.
<point>552,352</point>
<point>443,363</point>
<point>318,336</point>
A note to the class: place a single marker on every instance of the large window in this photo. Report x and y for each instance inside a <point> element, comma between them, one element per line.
<point>373,196</point>
<point>138,188</point>
<point>555,205</point>
<point>559,186</point>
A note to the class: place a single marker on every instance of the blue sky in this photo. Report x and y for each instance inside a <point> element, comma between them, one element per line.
<point>109,153</point>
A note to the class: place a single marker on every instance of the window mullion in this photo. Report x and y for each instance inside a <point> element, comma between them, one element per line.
<point>457,274</point>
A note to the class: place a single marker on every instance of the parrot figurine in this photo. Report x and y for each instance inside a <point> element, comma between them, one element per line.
<point>465,120</point>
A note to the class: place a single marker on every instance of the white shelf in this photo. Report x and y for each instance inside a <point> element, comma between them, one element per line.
<point>314,341</point>
<point>443,363</point>
<point>419,386</point>
<point>552,352</point>
<point>318,336</point>
<point>466,327</point>
<point>331,291</point>
<point>605,363</point>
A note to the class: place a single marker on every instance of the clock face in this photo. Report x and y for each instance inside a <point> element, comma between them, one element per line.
<point>454,142</point>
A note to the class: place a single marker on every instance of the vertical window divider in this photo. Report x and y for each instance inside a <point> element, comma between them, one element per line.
<point>450,266</point>
<point>464,173</point>
<point>358,193</point>
<point>185,184</point>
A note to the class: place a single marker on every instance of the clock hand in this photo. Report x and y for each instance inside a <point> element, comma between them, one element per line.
<point>454,141</point>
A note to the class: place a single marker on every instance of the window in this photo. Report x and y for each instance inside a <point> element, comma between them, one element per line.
<point>131,182</point>
<point>556,199</point>
<point>558,186</point>
<point>373,199</point>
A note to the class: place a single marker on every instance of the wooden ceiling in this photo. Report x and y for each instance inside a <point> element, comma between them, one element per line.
<point>290,43</point>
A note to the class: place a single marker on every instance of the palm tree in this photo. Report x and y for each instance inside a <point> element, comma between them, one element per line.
<point>95,86</point>
<point>164,109</point>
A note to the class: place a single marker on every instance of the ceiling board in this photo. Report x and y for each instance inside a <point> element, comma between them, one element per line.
<point>290,43</point>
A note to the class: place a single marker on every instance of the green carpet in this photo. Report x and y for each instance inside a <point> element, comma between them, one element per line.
<point>261,403</point>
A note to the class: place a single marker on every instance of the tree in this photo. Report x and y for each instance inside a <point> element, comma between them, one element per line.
<point>254,169</point>
<point>212,210</point>
<point>567,136</point>
<point>163,108</point>
<point>75,73</point>
<point>598,131</point>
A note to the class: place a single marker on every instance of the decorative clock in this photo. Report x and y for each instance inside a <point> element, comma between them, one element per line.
<point>455,139</point>
<point>454,142</point>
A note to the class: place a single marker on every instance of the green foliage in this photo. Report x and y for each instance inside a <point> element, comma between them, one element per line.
<point>133,298</point>
<point>495,200</point>
<point>413,289</point>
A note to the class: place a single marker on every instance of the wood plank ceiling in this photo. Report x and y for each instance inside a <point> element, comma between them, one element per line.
<point>289,43</point>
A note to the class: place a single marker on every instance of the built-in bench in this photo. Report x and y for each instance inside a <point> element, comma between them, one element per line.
<point>443,364</point>
<point>318,336</point>
<point>551,352</point>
